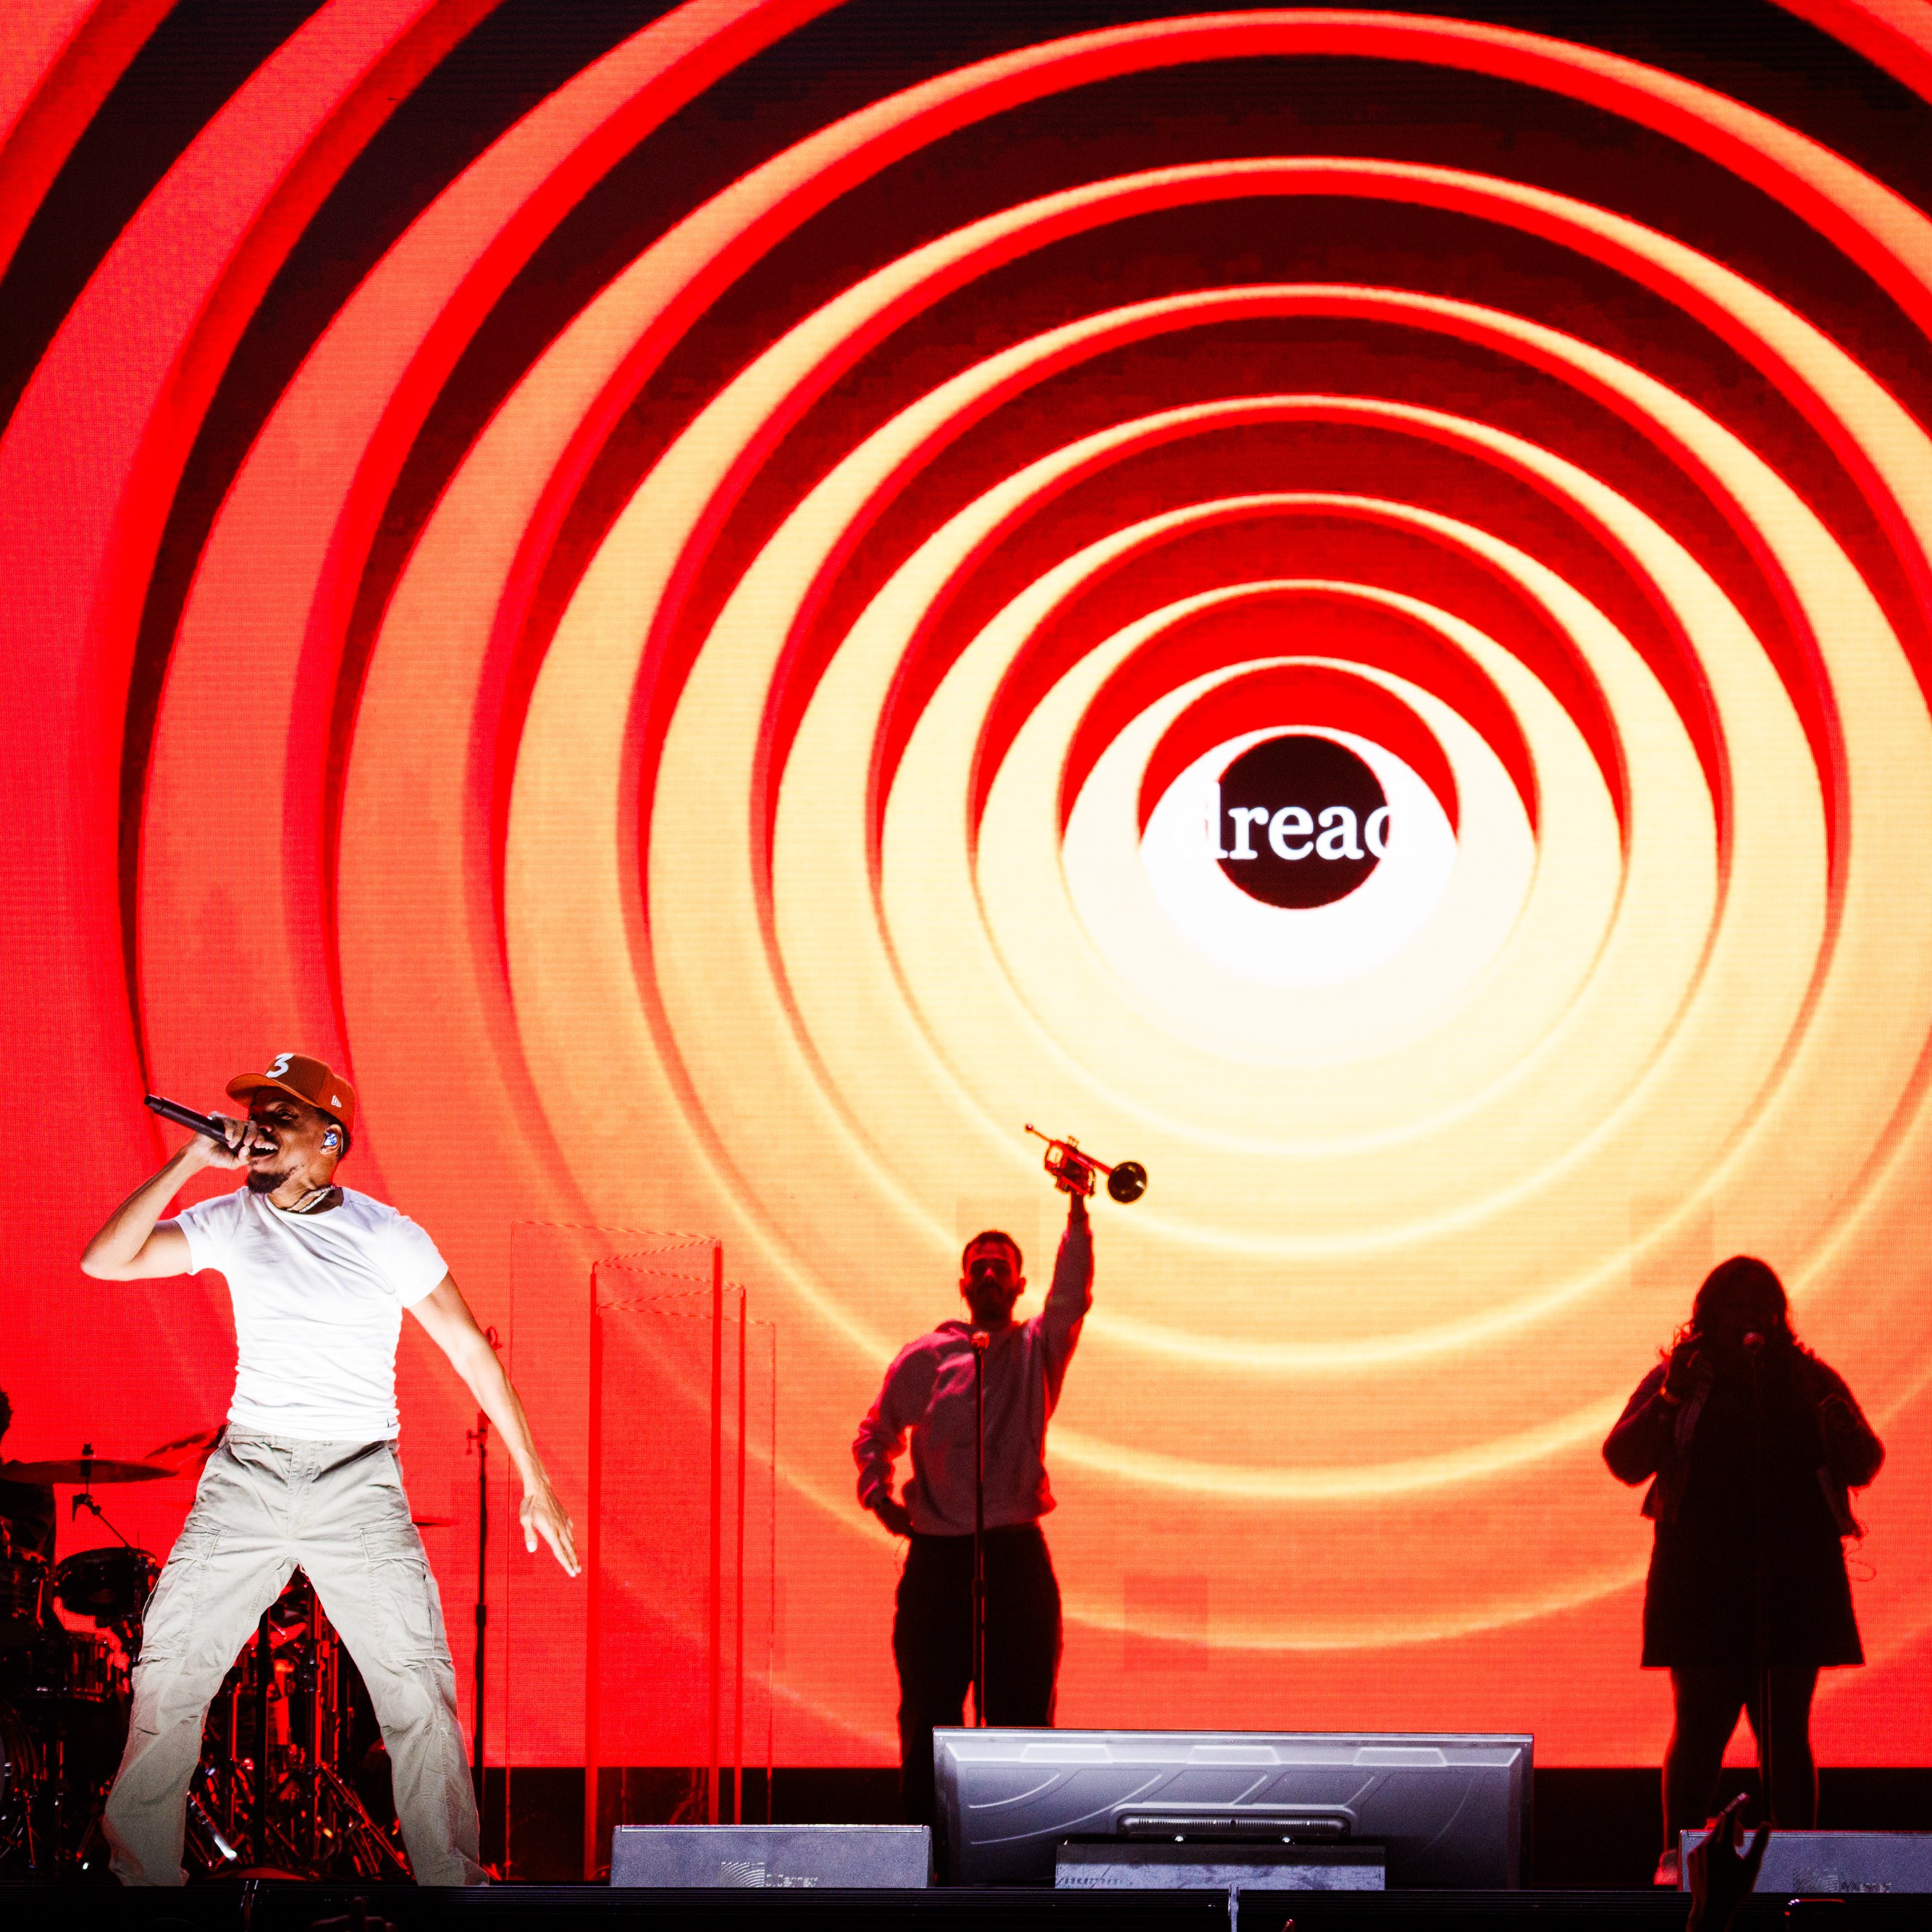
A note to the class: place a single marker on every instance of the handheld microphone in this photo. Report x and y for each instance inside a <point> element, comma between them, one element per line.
<point>202,1124</point>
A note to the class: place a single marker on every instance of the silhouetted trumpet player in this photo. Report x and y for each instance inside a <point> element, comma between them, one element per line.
<point>936,1392</point>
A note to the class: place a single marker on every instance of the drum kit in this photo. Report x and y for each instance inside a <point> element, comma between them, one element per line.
<point>69,1634</point>
<point>276,1790</point>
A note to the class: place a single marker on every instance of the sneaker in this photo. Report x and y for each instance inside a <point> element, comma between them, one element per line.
<point>1667,1872</point>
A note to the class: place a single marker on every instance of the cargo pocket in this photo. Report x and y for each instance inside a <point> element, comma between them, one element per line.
<point>404,1595</point>
<point>173,1616</point>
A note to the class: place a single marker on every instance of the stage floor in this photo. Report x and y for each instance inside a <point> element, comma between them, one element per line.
<point>279,1907</point>
<point>1595,1829</point>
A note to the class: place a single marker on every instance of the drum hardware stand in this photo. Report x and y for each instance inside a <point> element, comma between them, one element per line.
<point>258,1797</point>
<point>981,1340</point>
<point>47,1836</point>
<point>17,1832</point>
<point>287,1807</point>
<point>42,1843</point>
<point>22,1833</point>
<point>200,1814</point>
<point>47,1854</point>
<point>308,1679</point>
<point>83,1498</point>
<point>57,1790</point>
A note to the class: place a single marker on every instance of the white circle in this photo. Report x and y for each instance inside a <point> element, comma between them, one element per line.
<point>1297,946</point>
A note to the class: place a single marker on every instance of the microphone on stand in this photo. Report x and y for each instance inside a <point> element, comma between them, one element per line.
<point>982,1341</point>
<point>202,1124</point>
<point>1754,1353</point>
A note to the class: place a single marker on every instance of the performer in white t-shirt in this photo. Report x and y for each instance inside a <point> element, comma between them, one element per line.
<point>307,1473</point>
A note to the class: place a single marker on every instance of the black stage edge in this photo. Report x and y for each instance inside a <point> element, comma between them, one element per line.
<point>1590,1828</point>
<point>1596,1833</point>
<point>1605,1828</point>
<point>273,1907</point>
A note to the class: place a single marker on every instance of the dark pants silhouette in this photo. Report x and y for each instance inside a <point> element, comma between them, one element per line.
<point>1707,1698</point>
<point>932,1643</point>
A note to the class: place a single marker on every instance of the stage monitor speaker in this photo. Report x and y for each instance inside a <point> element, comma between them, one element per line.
<point>773,1857</point>
<point>1444,1811</point>
<point>1835,1863</point>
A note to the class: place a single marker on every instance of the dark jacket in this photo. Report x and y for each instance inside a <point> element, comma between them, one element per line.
<point>1750,1476</point>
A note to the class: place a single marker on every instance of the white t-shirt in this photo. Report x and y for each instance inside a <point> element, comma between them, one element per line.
<point>319,1302</point>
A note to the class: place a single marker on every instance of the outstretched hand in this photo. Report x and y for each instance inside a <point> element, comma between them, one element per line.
<point>1721,1874</point>
<point>543,1515</point>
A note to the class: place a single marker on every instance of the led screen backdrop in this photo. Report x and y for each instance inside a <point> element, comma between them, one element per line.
<point>728,603</point>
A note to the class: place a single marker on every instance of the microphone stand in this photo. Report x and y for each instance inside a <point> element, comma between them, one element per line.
<point>479,1437</point>
<point>1761,1574</point>
<point>980,1341</point>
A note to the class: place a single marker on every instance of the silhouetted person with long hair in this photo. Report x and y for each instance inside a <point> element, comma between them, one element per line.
<point>1754,1445</point>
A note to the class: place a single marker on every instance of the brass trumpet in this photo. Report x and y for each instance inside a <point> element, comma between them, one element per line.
<point>1073,1172</point>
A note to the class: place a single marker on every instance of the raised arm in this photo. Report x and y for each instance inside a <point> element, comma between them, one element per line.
<point>445,1314</point>
<point>1071,1294</point>
<point>1636,1447</point>
<point>129,1246</point>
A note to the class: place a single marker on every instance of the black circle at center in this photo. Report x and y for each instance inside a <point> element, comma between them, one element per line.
<point>1304,821</point>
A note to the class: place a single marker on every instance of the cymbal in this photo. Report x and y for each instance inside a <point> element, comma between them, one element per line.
<point>433,1522</point>
<point>99,1469</point>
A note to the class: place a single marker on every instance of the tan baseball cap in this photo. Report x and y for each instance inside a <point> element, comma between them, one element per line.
<point>313,1081</point>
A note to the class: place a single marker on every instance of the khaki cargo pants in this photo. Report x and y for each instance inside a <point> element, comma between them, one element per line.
<point>267,1504</point>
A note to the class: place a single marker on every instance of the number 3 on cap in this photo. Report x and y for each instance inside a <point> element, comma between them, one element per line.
<point>280,1067</point>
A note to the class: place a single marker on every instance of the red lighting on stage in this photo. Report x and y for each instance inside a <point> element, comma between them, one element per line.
<point>696,708</point>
